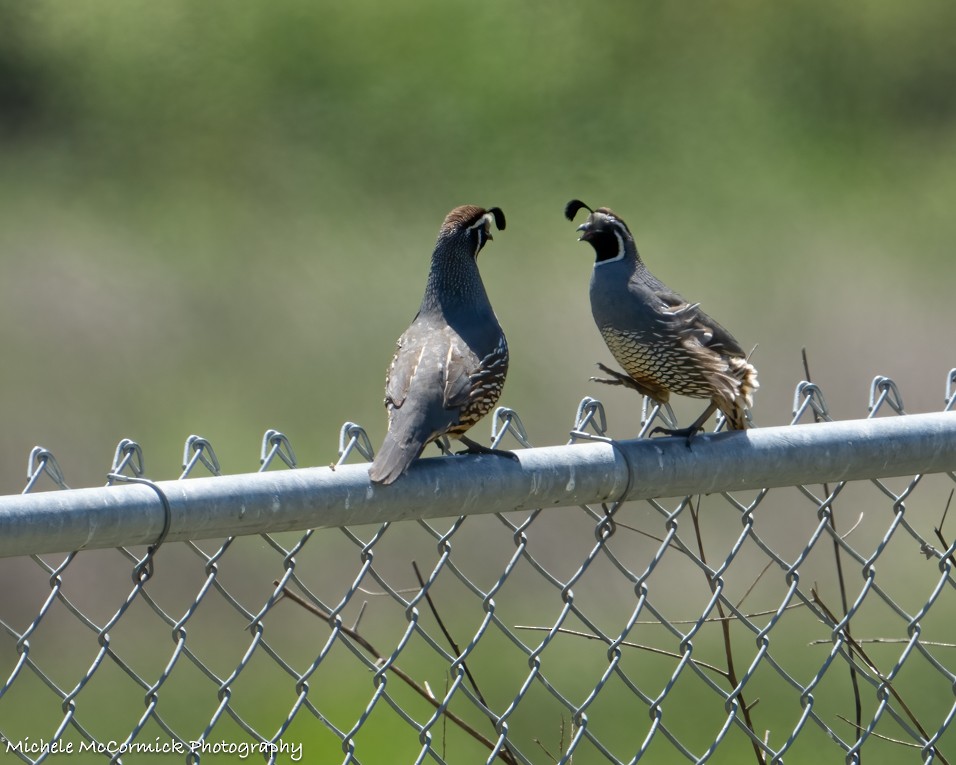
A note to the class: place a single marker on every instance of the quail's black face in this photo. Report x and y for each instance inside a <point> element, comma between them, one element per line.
<point>603,230</point>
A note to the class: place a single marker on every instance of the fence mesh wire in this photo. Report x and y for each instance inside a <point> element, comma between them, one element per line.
<point>757,626</point>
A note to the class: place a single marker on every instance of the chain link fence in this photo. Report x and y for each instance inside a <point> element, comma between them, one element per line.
<point>759,625</point>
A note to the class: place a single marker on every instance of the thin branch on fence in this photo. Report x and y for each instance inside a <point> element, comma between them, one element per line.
<point>753,584</point>
<point>875,670</point>
<point>649,649</point>
<point>678,548</point>
<point>887,641</point>
<point>444,630</point>
<point>358,617</point>
<point>401,674</point>
<point>766,568</point>
<point>509,758</point>
<point>939,529</point>
<point>383,594</point>
<point>545,749</point>
<point>561,740</point>
<point>946,510</point>
<point>846,534</point>
<point>725,630</point>
<point>731,618</point>
<point>675,622</point>
<point>642,533</point>
<point>879,735</point>
<point>570,735</point>
<point>841,580</point>
<point>444,723</point>
<point>560,743</point>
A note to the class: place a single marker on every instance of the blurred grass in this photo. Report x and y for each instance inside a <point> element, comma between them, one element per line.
<point>216,218</point>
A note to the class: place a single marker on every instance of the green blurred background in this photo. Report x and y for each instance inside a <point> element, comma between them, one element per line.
<point>216,217</point>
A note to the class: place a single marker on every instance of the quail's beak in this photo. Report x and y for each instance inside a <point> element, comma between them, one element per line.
<point>585,229</point>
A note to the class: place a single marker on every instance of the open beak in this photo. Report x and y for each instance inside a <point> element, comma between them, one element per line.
<point>585,229</point>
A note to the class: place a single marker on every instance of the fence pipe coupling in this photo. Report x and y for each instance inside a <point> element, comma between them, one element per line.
<point>583,473</point>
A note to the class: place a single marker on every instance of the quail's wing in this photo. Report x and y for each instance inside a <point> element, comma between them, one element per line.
<point>489,378</point>
<point>408,355</point>
<point>468,378</point>
<point>460,364</point>
<point>688,319</point>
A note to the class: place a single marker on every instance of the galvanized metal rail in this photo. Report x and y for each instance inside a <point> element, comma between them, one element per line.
<point>587,472</point>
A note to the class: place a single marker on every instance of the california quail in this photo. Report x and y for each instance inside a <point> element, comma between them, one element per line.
<point>449,366</point>
<point>665,344</point>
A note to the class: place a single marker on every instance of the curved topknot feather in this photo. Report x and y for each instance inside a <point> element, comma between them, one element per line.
<point>572,207</point>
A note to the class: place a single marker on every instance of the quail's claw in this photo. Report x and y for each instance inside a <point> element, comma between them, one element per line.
<point>687,433</point>
<point>473,447</point>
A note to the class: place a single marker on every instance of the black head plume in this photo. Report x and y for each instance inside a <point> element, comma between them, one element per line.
<point>471,216</point>
<point>572,207</point>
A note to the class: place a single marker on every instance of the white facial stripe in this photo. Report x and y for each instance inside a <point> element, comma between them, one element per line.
<point>482,225</point>
<point>485,220</point>
<point>620,251</point>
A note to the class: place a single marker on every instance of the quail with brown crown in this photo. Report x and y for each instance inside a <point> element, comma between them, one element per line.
<point>664,343</point>
<point>449,366</point>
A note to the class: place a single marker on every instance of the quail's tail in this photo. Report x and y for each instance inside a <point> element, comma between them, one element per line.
<point>393,459</point>
<point>738,414</point>
<point>736,418</point>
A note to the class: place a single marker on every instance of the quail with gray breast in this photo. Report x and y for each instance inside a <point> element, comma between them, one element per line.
<point>664,343</point>
<point>450,365</point>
